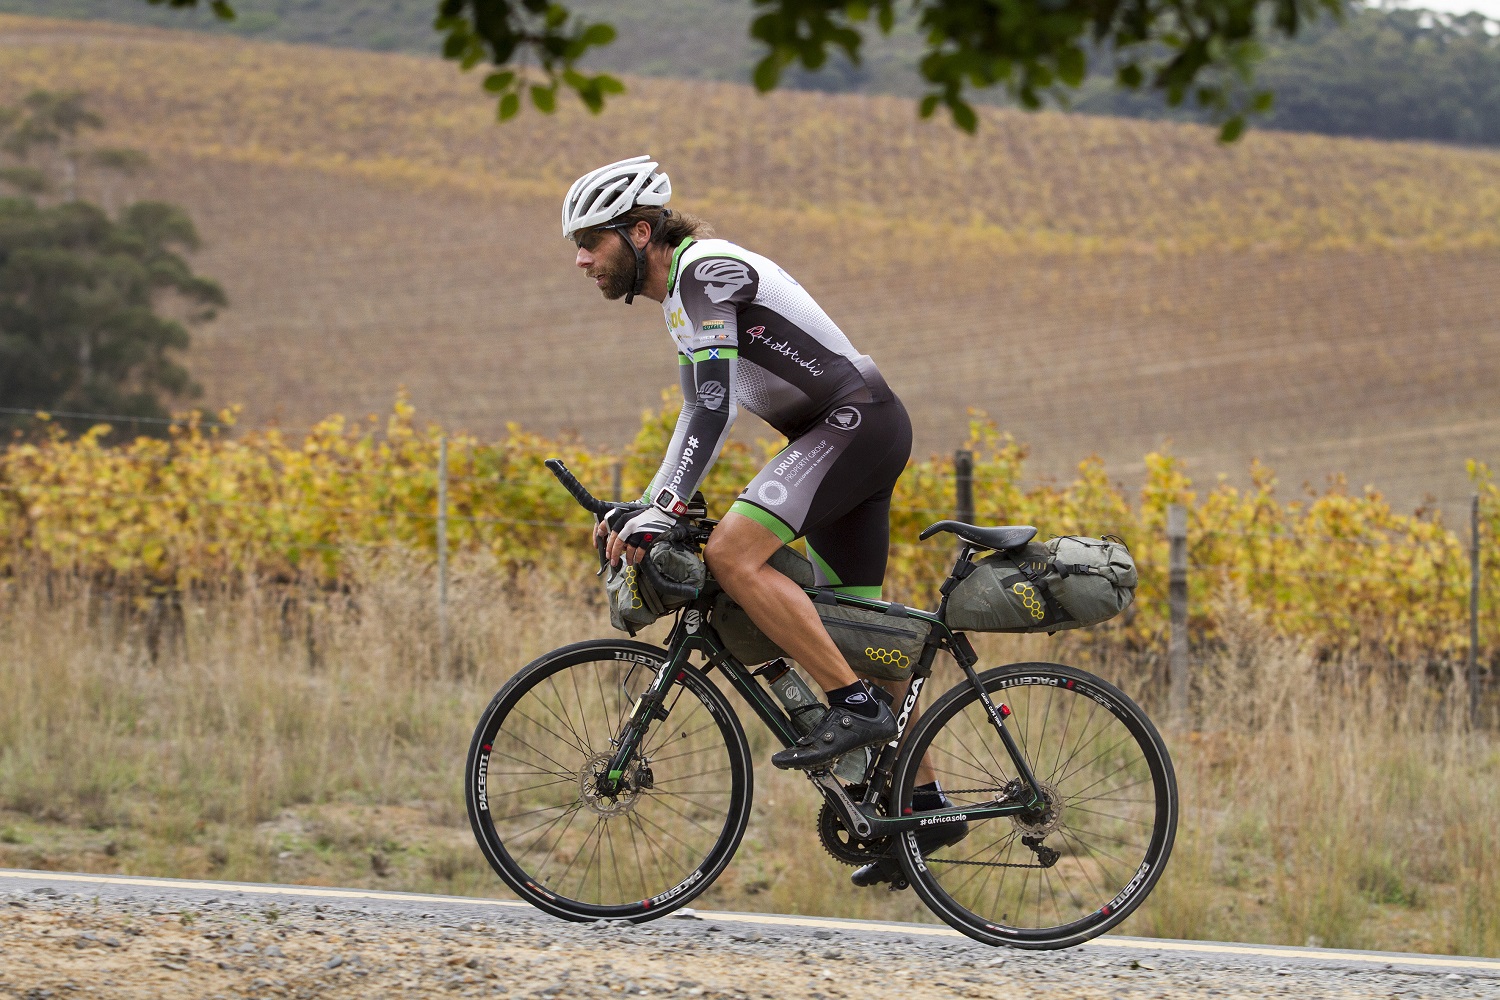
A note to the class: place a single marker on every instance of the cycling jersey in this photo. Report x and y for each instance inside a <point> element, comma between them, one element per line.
<point>749,336</point>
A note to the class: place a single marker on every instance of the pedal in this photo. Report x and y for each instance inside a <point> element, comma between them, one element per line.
<point>898,883</point>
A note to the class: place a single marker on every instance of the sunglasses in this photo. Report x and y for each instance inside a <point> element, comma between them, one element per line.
<point>589,239</point>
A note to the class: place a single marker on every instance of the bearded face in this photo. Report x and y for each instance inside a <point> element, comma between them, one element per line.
<point>613,270</point>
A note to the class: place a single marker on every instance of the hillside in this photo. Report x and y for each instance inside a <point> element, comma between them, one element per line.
<point>1095,284</point>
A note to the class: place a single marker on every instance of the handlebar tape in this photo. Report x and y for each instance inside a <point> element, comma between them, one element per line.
<point>585,499</point>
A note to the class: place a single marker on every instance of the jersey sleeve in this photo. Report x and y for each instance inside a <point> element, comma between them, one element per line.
<point>714,289</point>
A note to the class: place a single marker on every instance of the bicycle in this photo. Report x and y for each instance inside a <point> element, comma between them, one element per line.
<point>611,779</point>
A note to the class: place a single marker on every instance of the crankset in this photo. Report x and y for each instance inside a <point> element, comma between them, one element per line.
<point>845,846</point>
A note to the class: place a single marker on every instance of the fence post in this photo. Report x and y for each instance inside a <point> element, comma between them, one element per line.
<point>1177,597</point>
<point>442,552</point>
<point>963,470</point>
<point>1474,610</point>
<point>616,474</point>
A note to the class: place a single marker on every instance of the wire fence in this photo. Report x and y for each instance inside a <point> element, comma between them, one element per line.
<point>1187,531</point>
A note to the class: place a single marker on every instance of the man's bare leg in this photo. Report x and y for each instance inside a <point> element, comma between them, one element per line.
<point>737,553</point>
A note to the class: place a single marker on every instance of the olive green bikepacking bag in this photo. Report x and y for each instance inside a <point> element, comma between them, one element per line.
<point>1065,583</point>
<point>633,602</point>
<point>741,636</point>
<point>883,644</point>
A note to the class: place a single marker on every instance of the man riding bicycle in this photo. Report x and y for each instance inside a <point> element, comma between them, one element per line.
<point>749,336</point>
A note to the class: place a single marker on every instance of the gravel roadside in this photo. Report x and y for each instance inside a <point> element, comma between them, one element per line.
<point>58,942</point>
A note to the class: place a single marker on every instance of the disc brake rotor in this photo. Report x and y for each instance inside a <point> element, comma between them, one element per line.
<point>1044,819</point>
<point>624,800</point>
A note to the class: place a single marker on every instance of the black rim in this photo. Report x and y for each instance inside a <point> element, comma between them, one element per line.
<point>1077,866</point>
<point>540,820</point>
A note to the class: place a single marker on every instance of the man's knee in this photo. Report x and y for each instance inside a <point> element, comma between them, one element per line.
<point>737,547</point>
<point>726,559</point>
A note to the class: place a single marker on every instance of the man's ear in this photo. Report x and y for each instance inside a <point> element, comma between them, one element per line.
<point>641,233</point>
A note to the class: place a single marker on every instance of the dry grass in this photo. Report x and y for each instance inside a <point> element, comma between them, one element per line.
<point>292,742</point>
<point>1098,285</point>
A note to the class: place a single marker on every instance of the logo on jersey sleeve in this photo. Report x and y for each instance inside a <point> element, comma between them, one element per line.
<point>711,394</point>
<point>722,277</point>
<point>845,418</point>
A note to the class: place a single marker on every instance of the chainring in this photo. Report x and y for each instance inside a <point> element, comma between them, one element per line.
<point>845,846</point>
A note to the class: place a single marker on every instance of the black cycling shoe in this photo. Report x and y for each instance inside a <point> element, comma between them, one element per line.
<point>840,732</point>
<point>888,868</point>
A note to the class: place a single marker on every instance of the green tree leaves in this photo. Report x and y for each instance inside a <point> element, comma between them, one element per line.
<point>1203,50</point>
<point>78,326</point>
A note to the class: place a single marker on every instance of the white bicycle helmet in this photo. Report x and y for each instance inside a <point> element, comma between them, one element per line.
<point>609,192</point>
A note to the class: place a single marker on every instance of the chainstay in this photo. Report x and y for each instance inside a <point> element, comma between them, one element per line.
<point>980,864</point>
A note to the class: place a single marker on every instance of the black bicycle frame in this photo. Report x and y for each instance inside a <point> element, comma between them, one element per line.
<point>693,633</point>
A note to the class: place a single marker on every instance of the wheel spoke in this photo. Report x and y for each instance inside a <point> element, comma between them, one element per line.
<point>1050,871</point>
<point>596,854</point>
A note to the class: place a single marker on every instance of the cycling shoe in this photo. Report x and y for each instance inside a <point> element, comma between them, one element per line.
<point>841,731</point>
<point>929,839</point>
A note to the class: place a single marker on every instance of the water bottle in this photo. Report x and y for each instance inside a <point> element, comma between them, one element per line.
<point>795,696</point>
<point>805,710</point>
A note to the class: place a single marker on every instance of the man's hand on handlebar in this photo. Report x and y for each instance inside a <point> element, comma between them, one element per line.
<point>631,530</point>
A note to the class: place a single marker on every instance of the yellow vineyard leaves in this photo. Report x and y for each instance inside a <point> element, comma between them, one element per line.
<point>209,504</point>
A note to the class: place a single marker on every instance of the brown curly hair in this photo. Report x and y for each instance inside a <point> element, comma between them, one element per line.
<point>668,228</point>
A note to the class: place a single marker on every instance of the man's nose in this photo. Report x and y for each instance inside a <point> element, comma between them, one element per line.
<point>584,258</point>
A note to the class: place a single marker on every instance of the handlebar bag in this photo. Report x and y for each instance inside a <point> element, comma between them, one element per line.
<point>634,603</point>
<point>1065,583</point>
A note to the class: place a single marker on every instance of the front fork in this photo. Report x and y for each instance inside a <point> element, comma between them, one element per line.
<point>651,705</point>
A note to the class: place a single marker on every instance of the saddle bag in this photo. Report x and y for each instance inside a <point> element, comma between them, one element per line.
<point>1066,583</point>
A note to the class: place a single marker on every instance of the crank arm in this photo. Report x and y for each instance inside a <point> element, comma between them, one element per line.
<point>854,819</point>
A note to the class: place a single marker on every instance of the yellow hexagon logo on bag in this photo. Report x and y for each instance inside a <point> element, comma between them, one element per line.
<point>890,657</point>
<point>1028,595</point>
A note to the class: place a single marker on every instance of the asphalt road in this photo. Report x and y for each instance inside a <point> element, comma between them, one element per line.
<point>77,934</point>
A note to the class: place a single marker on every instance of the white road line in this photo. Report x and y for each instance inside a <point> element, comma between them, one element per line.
<point>779,920</point>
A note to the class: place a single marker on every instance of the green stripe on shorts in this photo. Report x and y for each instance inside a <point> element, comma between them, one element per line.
<point>765,518</point>
<point>868,593</point>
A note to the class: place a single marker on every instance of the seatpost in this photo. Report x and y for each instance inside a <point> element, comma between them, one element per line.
<point>962,567</point>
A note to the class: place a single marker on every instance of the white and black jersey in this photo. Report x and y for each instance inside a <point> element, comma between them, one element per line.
<point>749,336</point>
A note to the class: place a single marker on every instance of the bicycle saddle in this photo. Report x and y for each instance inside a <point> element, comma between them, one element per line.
<point>1007,536</point>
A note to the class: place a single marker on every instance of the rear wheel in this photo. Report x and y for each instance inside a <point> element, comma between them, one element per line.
<point>1081,861</point>
<point>534,800</point>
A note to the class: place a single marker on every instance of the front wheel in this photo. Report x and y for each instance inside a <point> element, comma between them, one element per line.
<point>533,788</point>
<point>1079,862</point>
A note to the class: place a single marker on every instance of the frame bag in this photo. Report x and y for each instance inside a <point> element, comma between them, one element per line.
<point>884,644</point>
<point>741,636</point>
<point>1066,583</point>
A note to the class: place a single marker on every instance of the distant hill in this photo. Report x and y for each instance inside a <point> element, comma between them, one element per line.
<point>1388,74</point>
<point>1097,285</point>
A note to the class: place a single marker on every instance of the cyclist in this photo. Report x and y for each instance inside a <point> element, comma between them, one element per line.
<point>749,336</point>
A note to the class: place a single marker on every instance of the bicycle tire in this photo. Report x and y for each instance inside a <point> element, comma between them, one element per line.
<point>1110,817</point>
<point>646,852</point>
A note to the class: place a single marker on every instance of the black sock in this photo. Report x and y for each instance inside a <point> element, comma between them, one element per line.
<point>925,798</point>
<point>854,698</point>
